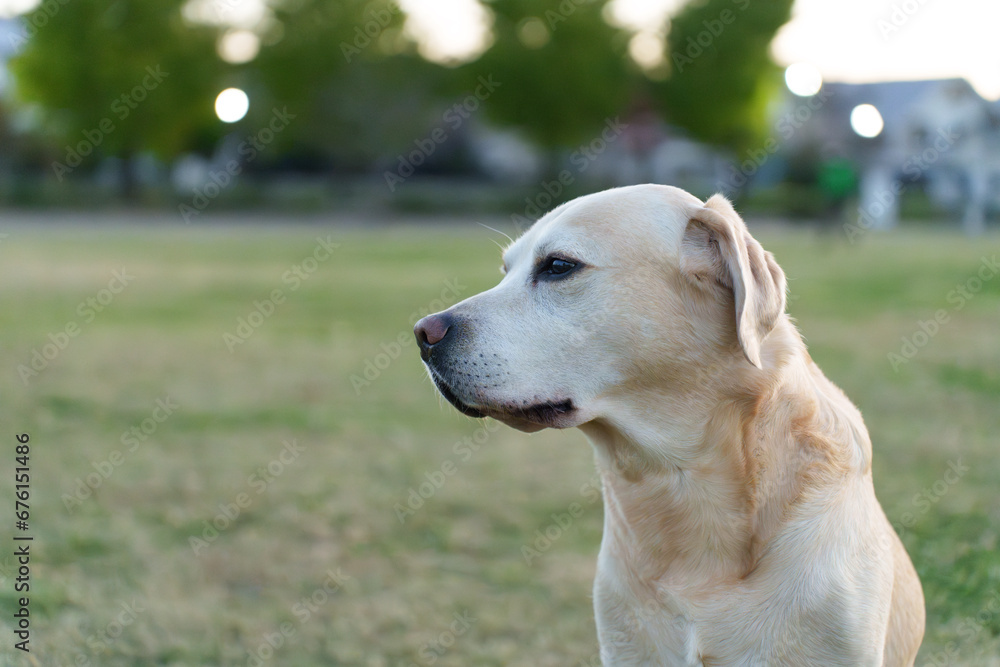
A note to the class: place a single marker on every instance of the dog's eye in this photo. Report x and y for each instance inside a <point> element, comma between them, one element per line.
<point>554,267</point>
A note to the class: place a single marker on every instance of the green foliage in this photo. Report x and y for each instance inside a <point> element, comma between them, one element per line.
<point>131,74</point>
<point>358,91</point>
<point>722,76</point>
<point>562,69</point>
<point>566,69</point>
<point>349,76</point>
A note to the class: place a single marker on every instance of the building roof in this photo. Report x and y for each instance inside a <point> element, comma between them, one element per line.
<point>895,100</point>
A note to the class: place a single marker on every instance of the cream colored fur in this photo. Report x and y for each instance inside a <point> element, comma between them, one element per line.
<point>741,526</point>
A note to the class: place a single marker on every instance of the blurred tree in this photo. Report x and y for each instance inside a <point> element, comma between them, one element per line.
<point>5,133</point>
<point>721,73</point>
<point>348,75</point>
<point>565,69</point>
<point>10,149</point>
<point>561,67</point>
<point>337,81</point>
<point>118,77</point>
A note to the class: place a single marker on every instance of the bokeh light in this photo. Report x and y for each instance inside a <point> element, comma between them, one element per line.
<point>448,31</point>
<point>533,33</point>
<point>866,121</point>
<point>803,79</point>
<point>646,49</point>
<point>239,46</point>
<point>231,105</point>
<point>12,8</point>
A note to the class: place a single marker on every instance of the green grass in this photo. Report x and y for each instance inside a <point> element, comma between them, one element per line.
<point>332,507</point>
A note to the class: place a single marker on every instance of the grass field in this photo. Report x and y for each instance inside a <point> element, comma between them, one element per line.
<point>152,424</point>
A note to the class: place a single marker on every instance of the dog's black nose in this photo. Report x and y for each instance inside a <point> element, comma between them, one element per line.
<point>430,331</point>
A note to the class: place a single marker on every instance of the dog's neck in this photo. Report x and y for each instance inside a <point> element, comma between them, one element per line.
<point>693,488</point>
<point>686,514</point>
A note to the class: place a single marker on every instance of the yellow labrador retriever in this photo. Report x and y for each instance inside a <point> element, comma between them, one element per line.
<point>741,526</point>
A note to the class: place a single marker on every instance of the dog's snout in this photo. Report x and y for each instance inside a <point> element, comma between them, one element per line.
<point>431,330</point>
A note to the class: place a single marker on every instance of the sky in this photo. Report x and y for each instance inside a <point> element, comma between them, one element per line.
<point>854,41</point>
<point>847,40</point>
<point>867,40</point>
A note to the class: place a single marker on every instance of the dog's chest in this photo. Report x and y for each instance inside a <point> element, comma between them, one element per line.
<point>663,642</point>
<point>634,633</point>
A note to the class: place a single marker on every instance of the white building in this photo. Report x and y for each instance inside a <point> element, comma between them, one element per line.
<point>938,134</point>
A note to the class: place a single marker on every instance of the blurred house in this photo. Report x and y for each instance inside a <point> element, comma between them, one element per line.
<point>955,133</point>
<point>940,135</point>
<point>8,39</point>
<point>9,34</point>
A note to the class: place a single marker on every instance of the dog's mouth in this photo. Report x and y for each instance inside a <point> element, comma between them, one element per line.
<point>528,417</point>
<point>449,394</point>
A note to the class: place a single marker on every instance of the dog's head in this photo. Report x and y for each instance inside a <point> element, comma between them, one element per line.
<point>625,289</point>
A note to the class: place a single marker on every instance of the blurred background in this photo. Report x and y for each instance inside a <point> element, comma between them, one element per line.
<point>220,219</point>
<point>812,111</point>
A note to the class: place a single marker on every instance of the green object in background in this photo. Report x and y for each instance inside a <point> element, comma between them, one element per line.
<point>838,180</point>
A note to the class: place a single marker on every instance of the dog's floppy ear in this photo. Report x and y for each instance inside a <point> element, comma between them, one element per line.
<point>717,247</point>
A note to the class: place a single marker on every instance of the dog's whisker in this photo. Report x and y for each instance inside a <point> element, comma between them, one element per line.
<point>498,232</point>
